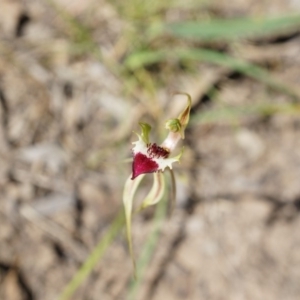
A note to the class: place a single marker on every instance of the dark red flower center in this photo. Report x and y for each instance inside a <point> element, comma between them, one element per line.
<point>157,151</point>
<point>143,164</point>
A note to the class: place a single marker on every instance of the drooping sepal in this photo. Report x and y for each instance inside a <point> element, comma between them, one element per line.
<point>157,191</point>
<point>128,195</point>
<point>154,196</point>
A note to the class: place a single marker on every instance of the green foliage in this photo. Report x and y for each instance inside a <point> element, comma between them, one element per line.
<point>151,41</point>
<point>233,115</point>
<point>142,59</point>
<point>226,30</point>
<point>94,257</point>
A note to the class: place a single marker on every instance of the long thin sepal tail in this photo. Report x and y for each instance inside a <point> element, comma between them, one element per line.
<point>128,195</point>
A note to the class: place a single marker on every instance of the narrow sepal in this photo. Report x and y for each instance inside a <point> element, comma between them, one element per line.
<point>128,195</point>
<point>157,191</point>
<point>146,128</point>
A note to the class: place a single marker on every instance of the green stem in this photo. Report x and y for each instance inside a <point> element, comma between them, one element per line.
<point>94,257</point>
<point>148,249</point>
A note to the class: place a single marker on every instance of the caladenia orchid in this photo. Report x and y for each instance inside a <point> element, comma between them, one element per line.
<point>152,158</point>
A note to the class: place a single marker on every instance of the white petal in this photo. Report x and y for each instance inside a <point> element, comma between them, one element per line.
<point>140,146</point>
<point>167,162</point>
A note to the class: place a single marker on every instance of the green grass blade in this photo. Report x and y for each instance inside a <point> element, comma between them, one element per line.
<point>144,58</point>
<point>173,191</point>
<point>94,257</point>
<point>240,66</point>
<point>229,114</point>
<point>218,29</point>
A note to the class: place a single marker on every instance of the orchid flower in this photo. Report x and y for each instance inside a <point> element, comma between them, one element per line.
<point>152,158</point>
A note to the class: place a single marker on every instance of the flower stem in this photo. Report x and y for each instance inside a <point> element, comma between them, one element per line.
<point>94,257</point>
<point>148,249</point>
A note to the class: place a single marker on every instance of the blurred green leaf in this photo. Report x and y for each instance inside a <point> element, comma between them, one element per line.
<point>218,29</point>
<point>231,114</point>
<point>144,58</point>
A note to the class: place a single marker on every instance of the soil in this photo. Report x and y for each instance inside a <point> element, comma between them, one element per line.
<point>66,128</point>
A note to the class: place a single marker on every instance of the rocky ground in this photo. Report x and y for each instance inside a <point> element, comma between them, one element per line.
<point>65,130</point>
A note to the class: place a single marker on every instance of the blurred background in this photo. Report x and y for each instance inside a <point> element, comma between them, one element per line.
<point>77,76</point>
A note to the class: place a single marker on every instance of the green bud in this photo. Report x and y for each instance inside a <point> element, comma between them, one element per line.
<point>173,125</point>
